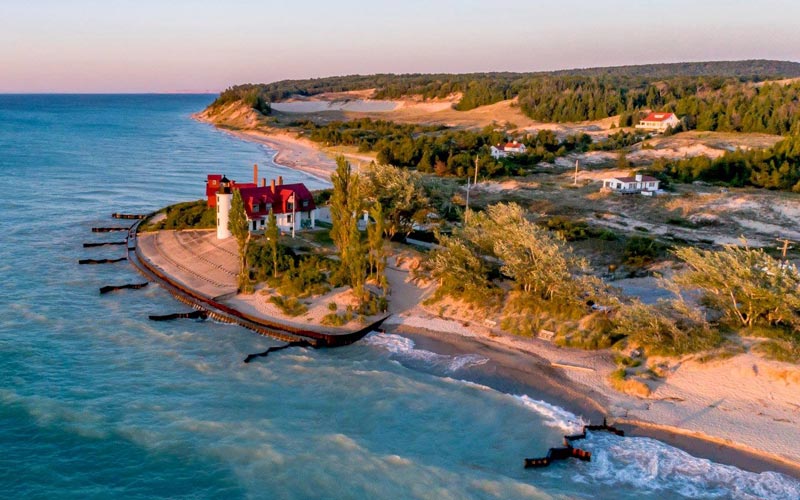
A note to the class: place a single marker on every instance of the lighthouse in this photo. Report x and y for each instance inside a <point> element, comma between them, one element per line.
<point>224,198</point>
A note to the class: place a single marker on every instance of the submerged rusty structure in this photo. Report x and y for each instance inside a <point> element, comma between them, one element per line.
<point>569,451</point>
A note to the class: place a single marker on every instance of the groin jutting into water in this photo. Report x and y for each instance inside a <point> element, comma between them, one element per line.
<point>117,215</point>
<point>101,261</point>
<point>569,451</point>
<point>131,286</point>
<point>104,243</point>
<point>299,343</point>
<point>199,314</point>
<point>109,229</point>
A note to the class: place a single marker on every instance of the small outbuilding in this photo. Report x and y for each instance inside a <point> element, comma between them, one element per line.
<point>643,184</point>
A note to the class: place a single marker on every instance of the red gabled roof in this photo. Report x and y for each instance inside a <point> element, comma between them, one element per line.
<point>278,201</point>
<point>263,196</point>
<point>658,117</point>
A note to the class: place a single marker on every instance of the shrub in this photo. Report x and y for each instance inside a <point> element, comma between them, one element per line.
<point>780,350</point>
<point>668,328</point>
<point>334,319</point>
<point>618,379</point>
<point>332,306</point>
<point>306,279</point>
<point>640,250</point>
<point>374,305</point>
<point>289,305</point>
<point>189,215</point>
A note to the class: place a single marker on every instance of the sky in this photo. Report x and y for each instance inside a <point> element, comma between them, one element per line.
<point>203,45</point>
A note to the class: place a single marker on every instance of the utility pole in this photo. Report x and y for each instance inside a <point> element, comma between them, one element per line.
<point>466,212</point>
<point>294,213</point>
<point>476,170</point>
<point>785,248</point>
<point>576,173</point>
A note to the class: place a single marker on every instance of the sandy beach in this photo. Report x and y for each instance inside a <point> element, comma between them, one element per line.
<point>743,411</point>
<point>716,410</point>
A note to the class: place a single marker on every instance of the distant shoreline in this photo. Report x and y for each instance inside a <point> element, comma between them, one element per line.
<point>293,153</point>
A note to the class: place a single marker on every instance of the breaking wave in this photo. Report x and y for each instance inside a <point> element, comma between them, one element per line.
<point>404,349</point>
<point>648,465</point>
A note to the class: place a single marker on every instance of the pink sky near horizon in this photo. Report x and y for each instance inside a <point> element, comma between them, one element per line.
<point>144,46</point>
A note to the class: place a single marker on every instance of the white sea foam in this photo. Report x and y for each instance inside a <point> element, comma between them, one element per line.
<point>650,465</point>
<point>404,348</point>
<point>554,416</point>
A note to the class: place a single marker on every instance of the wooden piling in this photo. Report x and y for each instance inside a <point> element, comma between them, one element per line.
<point>101,261</point>
<point>132,286</point>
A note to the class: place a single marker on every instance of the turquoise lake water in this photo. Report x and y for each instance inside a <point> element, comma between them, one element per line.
<point>98,402</point>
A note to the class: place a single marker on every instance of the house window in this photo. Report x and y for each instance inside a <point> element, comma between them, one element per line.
<point>255,207</point>
<point>262,222</point>
<point>289,206</point>
<point>305,203</point>
<point>288,218</point>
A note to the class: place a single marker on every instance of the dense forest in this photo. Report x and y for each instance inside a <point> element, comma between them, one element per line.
<point>711,96</point>
<point>777,167</point>
<point>440,150</point>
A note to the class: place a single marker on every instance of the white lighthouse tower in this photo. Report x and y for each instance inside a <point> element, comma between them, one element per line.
<point>224,197</point>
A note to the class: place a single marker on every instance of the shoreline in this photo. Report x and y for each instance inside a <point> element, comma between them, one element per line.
<point>545,382</point>
<point>582,393</point>
<point>291,152</point>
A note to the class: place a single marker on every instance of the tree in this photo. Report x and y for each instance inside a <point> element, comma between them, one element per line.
<point>747,285</point>
<point>237,224</point>
<point>377,253</point>
<point>272,234</point>
<point>400,194</point>
<point>346,207</point>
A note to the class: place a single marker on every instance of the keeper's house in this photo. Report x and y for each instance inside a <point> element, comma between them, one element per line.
<point>659,122</point>
<point>292,204</point>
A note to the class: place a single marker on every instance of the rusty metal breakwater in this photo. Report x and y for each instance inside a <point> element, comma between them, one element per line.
<point>569,451</point>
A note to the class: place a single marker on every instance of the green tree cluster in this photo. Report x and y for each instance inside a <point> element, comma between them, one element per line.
<point>777,167</point>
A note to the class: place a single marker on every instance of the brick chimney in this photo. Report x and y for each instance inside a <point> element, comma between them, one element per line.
<point>263,182</point>
<point>280,180</point>
<point>272,186</point>
<point>255,174</point>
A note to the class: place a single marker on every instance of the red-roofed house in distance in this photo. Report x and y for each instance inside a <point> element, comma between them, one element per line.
<point>292,204</point>
<point>509,148</point>
<point>659,122</point>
